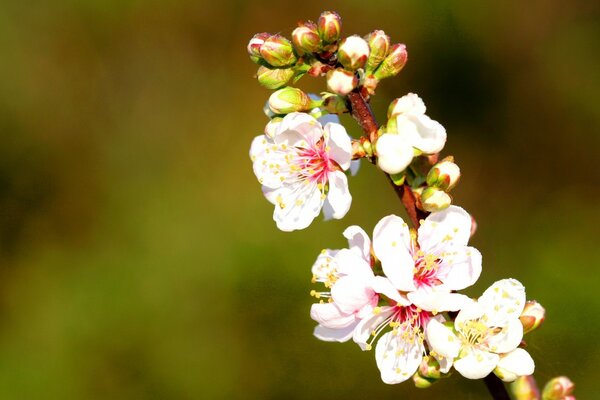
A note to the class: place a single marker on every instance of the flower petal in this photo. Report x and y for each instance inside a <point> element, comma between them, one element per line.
<point>391,244</point>
<point>368,325</point>
<point>397,358</point>
<point>394,153</point>
<point>421,132</point>
<point>502,302</point>
<point>298,127</point>
<point>266,161</point>
<point>297,207</point>
<point>340,146</point>
<point>382,285</point>
<point>463,264</point>
<point>449,228</point>
<point>476,363</point>
<point>507,339</point>
<point>338,199</point>
<point>470,311</point>
<point>409,104</point>
<point>351,294</point>
<point>350,262</point>
<point>442,340</point>
<point>354,167</point>
<point>334,335</point>
<point>325,268</point>
<point>514,364</point>
<point>359,240</point>
<point>330,316</point>
<point>437,301</point>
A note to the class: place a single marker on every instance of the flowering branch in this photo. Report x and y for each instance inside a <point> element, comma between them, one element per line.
<point>399,290</point>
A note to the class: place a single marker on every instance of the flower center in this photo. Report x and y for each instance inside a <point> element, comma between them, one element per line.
<point>473,331</point>
<point>314,163</point>
<point>406,323</point>
<point>426,270</point>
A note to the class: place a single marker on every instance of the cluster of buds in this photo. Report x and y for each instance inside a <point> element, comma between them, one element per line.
<point>398,291</point>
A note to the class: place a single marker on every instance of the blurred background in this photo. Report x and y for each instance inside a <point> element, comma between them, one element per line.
<point>138,258</point>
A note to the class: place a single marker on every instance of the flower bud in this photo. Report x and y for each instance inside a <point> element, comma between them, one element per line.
<point>288,100</point>
<point>334,104</point>
<point>430,368</point>
<point>329,26</point>
<point>278,51</point>
<point>444,175</point>
<point>274,78</point>
<point>353,52</point>
<point>254,46</point>
<point>434,199</point>
<point>341,81</point>
<point>558,388</point>
<point>271,128</point>
<point>393,63</point>
<point>422,382</point>
<point>532,316</point>
<point>525,388</point>
<point>379,45</point>
<point>306,38</point>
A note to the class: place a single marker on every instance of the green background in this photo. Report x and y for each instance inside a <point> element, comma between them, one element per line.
<point>138,258</point>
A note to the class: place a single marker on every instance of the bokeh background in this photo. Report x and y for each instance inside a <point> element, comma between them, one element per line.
<point>138,259</point>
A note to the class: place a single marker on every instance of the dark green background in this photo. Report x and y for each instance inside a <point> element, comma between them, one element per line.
<point>138,259</point>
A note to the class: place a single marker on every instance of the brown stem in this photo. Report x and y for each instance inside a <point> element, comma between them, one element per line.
<point>362,113</point>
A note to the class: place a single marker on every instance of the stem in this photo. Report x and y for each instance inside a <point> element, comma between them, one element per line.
<point>364,116</point>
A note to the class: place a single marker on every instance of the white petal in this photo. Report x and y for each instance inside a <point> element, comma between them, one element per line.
<point>409,104</point>
<point>476,364</point>
<point>351,294</point>
<point>305,125</point>
<point>514,364</point>
<point>330,316</point>
<point>325,265</point>
<point>327,118</point>
<point>442,340</point>
<point>350,262</point>
<point>368,325</point>
<point>470,311</point>
<point>503,301</point>
<point>421,132</point>
<point>338,199</point>
<point>267,158</point>
<point>438,301</point>
<point>463,264</point>
<point>397,359</point>
<point>383,286</point>
<point>359,240</point>
<point>297,207</point>
<point>354,167</point>
<point>507,339</point>
<point>340,146</point>
<point>391,243</point>
<point>334,335</point>
<point>394,153</point>
<point>449,228</point>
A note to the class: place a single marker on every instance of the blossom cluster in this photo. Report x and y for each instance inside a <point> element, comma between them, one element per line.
<point>398,291</point>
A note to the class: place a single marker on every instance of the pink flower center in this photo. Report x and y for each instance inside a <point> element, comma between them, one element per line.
<point>426,271</point>
<point>314,162</point>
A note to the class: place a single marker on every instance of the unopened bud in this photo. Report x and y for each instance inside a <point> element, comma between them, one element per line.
<point>558,388</point>
<point>444,175</point>
<point>429,368</point>
<point>532,316</point>
<point>274,78</point>
<point>393,63</point>
<point>329,26</point>
<point>434,199</point>
<point>353,52</point>
<point>255,44</point>
<point>334,104</point>
<point>525,388</point>
<point>278,51</point>
<point>306,38</point>
<point>288,100</point>
<point>341,81</point>
<point>271,128</point>
<point>422,382</point>
<point>379,45</point>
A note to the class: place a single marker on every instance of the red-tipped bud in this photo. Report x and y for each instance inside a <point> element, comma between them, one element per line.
<point>329,26</point>
<point>288,100</point>
<point>353,52</point>
<point>274,78</point>
<point>334,104</point>
<point>255,44</point>
<point>278,51</point>
<point>341,81</point>
<point>393,63</point>
<point>525,388</point>
<point>379,45</point>
<point>559,388</point>
<point>444,175</point>
<point>532,316</point>
<point>306,38</point>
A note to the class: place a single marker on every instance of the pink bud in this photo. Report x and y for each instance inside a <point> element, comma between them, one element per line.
<point>329,26</point>
<point>278,51</point>
<point>353,52</point>
<point>306,38</point>
<point>254,46</point>
<point>532,316</point>
<point>379,44</point>
<point>558,388</point>
<point>393,63</point>
<point>341,81</point>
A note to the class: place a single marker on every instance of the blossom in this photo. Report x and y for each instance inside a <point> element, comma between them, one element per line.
<point>408,129</point>
<point>348,274</point>
<point>431,266</point>
<point>301,166</point>
<point>486,335</point>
